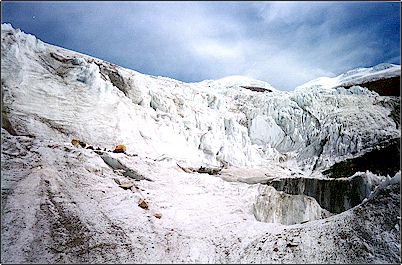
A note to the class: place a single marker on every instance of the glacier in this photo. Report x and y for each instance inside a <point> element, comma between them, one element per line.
<point>62,203</point>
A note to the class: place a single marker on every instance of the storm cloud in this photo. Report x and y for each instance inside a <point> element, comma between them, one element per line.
<point>283,43</point>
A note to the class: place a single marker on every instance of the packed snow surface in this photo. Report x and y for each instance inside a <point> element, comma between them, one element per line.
<point>63,203</point>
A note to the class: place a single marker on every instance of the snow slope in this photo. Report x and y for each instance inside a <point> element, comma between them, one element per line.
<point>62,203</point>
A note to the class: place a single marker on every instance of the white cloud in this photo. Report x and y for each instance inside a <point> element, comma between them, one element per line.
<point>223,51</point>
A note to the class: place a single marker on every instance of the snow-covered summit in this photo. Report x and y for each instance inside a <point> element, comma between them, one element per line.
<point>237,82</point>
<point>355,77</point>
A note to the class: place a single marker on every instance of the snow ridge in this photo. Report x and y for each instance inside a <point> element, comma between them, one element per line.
<point>354,76</point>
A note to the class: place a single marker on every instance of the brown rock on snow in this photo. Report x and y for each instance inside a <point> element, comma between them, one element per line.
<point>120,148</point>
<point>143,204</point>
<point>158,215</point>
<point>75,142</point>
<point>78,143</point>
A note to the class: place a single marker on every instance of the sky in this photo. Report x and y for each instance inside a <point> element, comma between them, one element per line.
<point>283,43</point>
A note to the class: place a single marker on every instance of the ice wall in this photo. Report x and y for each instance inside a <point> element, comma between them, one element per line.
<point>274,206</point>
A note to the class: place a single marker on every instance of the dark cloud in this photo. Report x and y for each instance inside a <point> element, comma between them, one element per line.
<point>283,43</point>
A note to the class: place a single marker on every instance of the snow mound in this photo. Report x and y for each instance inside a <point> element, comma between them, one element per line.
<point>237,80</point>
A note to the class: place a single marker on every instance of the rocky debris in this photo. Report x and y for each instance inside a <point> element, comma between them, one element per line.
<point>291,244</point>
<point>78,143</point>
<point>98,150</point>
<point>158,215</point>
<point>60,58</point>
<point>120,148</point>
<point>209,170</point>
<point>132,155</point>
<point>143,204</point>
<point>202,169</point>
<point>257,89</point>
